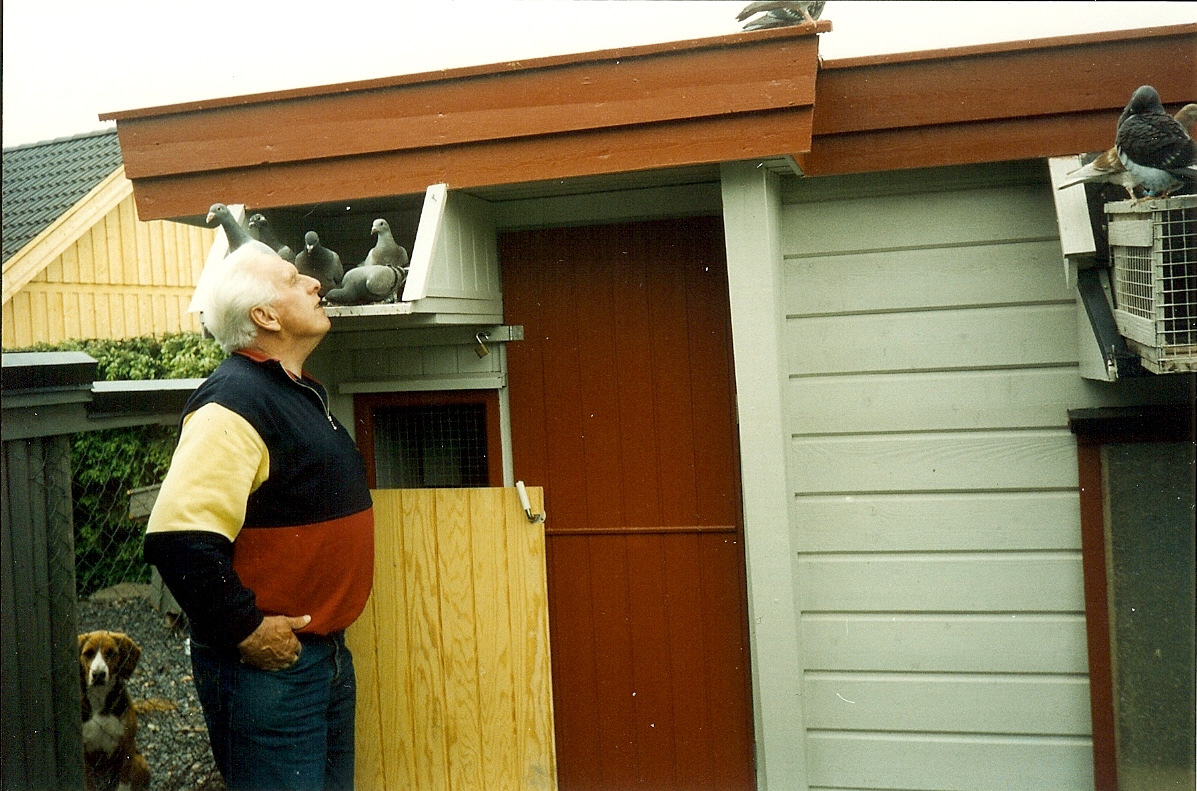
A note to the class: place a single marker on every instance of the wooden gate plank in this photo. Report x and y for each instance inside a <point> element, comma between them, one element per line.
<point>452,651</point>
<point>497,677</point>
<point>459,659</point>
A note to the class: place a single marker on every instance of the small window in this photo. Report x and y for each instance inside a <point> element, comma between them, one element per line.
<point>430,440</point>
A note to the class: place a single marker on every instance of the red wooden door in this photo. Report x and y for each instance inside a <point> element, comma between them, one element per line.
<point>622,408</point>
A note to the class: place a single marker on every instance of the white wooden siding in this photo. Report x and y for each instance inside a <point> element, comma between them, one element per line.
<point>414,359</point>
<point>455,260</point>
<point>930,354</point>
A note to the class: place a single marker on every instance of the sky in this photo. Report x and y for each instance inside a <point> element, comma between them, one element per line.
<point>67,61</point>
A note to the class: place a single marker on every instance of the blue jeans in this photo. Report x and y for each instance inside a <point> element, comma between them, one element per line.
<point>281,730</point>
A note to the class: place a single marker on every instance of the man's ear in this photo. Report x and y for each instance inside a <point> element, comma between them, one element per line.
<point>265,317</point>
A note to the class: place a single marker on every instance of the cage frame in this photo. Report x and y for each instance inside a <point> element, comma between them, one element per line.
<point>1154,279</point>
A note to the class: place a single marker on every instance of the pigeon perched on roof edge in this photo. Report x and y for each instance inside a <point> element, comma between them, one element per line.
<point>780,14</point>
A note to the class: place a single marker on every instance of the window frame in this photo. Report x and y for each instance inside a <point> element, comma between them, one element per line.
<point>364,405</point>
<point>1095,428</point>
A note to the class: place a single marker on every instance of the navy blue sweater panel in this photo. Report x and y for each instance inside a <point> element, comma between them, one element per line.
<point>316,472</point>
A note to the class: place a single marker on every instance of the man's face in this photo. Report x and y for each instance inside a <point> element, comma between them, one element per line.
<point>297,308</point>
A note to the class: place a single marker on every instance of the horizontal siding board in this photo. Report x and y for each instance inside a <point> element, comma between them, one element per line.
<point>895,761</point>
<point>938,522</point>
<point>1005,704</point>
<point>981,274</point>
<point>943,400</point>
<point>946,643</point>
<point>1026,460</point>
<point>956,583</point>
<point>1020,335</point>
<point>1002,213</point>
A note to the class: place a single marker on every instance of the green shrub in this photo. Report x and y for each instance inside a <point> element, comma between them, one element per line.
<point>107,464</point>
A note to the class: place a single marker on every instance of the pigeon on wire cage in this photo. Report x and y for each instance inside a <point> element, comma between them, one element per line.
<point>1107,168</point>
<point>1154,147</point>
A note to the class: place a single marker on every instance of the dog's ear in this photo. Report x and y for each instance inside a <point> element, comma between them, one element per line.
<point>130,654</point>
<point>82,640</point>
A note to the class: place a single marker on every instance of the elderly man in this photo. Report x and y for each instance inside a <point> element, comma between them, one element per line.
<point>264,533</point>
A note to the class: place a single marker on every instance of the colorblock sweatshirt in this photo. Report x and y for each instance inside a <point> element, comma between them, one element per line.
<point>265,509</point>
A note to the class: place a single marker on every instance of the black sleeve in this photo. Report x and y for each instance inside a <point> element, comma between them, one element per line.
<point>197,567</point>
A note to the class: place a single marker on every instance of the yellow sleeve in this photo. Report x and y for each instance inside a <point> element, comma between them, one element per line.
<point>219,461</point>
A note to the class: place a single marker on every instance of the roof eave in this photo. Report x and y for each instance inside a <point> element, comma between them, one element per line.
<point>743,96</point>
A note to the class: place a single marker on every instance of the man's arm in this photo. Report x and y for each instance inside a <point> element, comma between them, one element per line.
<point>220,460</point>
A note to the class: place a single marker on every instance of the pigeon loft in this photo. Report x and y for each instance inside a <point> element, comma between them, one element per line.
<point>453,277</point>
<point>1153,251</point>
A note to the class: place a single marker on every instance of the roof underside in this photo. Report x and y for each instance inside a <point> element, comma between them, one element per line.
<point>669,106</point>
<point>43,180</point>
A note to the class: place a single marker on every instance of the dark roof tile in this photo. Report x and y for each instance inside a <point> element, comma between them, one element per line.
<point>43,180</point>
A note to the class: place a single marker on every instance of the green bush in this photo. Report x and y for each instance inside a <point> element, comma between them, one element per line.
<point>107,464</point>
<point>181,355</point>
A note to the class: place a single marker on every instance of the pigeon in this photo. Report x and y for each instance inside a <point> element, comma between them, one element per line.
<point>386,251</point>
<point>366,283</point>
<point>316,260</point>
<point>780,14</point>
<point>1153,146</point>
<point>233,231</point>
<point>1107,168</point>
<point>259,228</point>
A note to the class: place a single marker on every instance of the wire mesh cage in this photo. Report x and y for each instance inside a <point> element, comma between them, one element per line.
<point>1153,248</point>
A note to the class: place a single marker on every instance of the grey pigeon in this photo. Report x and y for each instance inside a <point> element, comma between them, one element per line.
<point>366,283</point>
<point>259,228</point>
<point>386,251</point>
<point>233,231</point>
<point>780,14</point>
<point>1107,168</point>
<point>1153,146</point>
<point>316,260</point>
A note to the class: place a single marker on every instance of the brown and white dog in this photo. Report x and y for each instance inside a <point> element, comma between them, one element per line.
<point>111,760</point>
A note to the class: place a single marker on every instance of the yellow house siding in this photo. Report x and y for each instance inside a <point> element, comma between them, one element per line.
<point>120,279</point>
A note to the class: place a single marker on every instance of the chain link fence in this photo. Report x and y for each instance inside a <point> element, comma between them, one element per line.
<point>108,466</point>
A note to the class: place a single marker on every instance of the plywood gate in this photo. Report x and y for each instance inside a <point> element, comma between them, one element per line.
<point>452,651</point>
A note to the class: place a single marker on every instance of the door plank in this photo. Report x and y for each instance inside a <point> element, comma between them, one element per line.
<point>622,406</point>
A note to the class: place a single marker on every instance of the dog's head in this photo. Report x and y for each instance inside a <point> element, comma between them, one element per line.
<point>105,657</point>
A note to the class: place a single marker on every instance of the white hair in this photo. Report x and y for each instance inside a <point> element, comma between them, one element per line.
<point>234,296</point>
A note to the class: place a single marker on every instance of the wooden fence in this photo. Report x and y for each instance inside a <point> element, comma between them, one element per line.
<point>452,652</point>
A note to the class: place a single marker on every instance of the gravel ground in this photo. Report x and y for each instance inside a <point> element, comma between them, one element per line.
<point>172,735</point>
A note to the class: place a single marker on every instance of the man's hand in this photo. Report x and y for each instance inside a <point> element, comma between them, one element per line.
<point>273,645</point>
